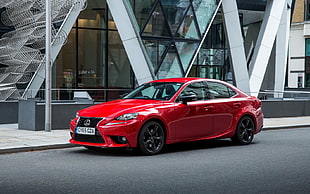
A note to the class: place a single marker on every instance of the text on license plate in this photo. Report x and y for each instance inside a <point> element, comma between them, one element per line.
<point>85,130</point>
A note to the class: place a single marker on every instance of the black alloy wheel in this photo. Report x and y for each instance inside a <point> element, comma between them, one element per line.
<point>245,131</point>
<point>151,138</point>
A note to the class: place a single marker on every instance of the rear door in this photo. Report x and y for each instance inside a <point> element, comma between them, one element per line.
<point>225,107</point>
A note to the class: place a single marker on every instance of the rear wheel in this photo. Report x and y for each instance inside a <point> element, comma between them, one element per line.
<point>151,138</point>
<point>245,131</point>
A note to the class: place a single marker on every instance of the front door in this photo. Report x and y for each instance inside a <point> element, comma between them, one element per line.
<point>194,119</point>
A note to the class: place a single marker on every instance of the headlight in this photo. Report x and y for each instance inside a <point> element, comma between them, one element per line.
<point>126,117</point>
<point>77,115</point>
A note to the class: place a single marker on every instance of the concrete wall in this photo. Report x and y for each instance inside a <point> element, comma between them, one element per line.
<point>288,108</point>
<point>8,112</point>
<point>32,114</point>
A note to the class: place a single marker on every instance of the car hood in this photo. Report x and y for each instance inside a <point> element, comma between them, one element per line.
<point>118,107</point>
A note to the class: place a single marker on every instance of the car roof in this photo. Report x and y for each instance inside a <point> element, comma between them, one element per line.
<point>193,79</point>
<point>182,80</point>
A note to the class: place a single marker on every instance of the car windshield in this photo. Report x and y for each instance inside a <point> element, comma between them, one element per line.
<point>155,91</point>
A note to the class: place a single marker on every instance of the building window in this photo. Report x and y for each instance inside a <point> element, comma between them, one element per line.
<point>94,58</point>
<point>171,32</point>
<point>307,10</point>
<point>212,61</point>
<point>307,63</point>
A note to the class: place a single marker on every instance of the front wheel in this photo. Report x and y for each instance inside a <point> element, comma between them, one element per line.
<point>245,131</point>
<point>151,138</point>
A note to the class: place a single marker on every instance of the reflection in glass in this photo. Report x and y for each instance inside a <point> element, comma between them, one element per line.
<point>141,9</point>
<point>93,16</point>
<point>175,12</point>
<point>204,10</point>
<point>91,60</point>
<point>170,66</point>
<point>155,91</point>
<point>180,23</point>
<point>212,57</point>
<point>65,63</point>
<point>111,23</point>
<point>155,50</point>
<point>157,25</point>
<point>119,70</point>
<point>94,58</point>
<point>186,51</point>
<point>188,28</point>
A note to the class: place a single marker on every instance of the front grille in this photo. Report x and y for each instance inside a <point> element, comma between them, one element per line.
<point>89,122</point>
<point>93,121</point>
<point>97,138</point>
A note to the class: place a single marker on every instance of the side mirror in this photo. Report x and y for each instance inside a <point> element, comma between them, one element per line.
<point>187,98</point>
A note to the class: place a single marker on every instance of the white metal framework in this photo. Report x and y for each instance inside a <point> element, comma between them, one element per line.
<point>21,48</point>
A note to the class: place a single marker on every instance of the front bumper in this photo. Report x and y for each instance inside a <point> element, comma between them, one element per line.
<point>108,135</point>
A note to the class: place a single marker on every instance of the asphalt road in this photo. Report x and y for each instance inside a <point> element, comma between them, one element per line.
<point>277,162</point>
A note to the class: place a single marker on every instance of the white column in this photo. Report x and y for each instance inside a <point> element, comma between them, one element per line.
<point>264,44</point>
<point>282,52</point>
<point>131,40</point>
<point>235,41</point>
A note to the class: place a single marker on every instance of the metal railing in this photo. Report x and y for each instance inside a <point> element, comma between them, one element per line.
<point>284,95</point>
<point>99,95</point>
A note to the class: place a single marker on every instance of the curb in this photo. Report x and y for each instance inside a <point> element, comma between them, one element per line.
<point>69,145</point>
<point>36,148</point>
<point>285,127</point>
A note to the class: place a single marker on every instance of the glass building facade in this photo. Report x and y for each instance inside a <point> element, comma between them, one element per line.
<point>94,58</point>
<point>162,38</point>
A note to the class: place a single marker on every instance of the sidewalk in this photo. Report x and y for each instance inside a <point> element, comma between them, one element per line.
<point>13,140</point>
<point>286,122</point>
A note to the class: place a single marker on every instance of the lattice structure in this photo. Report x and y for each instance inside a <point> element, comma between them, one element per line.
<point>22,50</point>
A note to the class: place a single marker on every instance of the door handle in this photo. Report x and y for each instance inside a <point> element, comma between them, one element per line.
<point>207,108</point>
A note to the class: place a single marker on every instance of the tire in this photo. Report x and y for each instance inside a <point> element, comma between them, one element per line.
<point>245,131</point>
<point>151,138</point>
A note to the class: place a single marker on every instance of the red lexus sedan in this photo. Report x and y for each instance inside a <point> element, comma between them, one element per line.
<point>168,111</point>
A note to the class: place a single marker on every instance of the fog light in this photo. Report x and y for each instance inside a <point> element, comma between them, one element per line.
<point>119,139</point>
<point>122,139</point>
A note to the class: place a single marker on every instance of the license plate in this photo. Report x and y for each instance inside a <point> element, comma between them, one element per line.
<point>85,130</point>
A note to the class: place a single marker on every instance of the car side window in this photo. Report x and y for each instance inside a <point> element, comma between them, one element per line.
<point>218,90</point>
<point>196,88</point>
